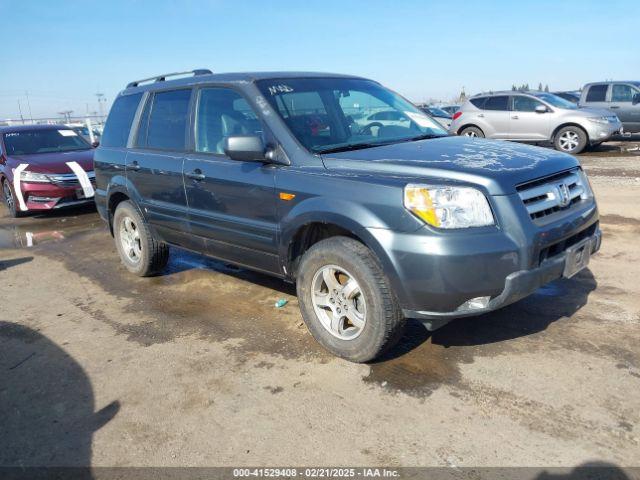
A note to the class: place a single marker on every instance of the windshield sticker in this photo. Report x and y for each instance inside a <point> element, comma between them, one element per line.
<point>275,89</point>
<point>422,120</point>
<point>12,134</point>
<point>67,133</point>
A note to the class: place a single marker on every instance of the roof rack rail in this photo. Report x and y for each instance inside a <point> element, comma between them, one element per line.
<point>162,78</point>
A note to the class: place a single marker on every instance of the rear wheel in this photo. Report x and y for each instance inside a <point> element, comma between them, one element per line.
<point>346,301</point>
<point>10,199</point>
<point>570,139</point>
<point>140,252</point>
<point>472,132</point>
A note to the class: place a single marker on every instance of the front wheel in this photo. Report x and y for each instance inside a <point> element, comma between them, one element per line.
<point>10,199</point>
<point>140,252</point>
<point>346,301</point>
<point>570,139</point>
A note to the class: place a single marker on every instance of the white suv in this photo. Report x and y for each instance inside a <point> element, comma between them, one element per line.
<point>534,117</point>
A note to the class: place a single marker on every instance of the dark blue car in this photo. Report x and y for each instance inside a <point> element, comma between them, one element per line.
<point>374,221</point>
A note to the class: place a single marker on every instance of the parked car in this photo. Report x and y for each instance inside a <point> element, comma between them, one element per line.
<point>442,117</point>
<point>82,130</point>
<point>372,226</point>
<point>534,117</point>
<point>44,167</point>
<point>450,109</point>
<point>573,97</point>
<point>621,98</point>
<point>384,118</point>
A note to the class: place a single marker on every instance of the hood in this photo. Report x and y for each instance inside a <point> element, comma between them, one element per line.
<point>594,112</point>
<point>497,165</point>
<point>54,162</point>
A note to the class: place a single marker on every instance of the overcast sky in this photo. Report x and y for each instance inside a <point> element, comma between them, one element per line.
<point>63,52</point>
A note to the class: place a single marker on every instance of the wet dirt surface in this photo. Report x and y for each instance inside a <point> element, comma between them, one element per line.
<point>204,370</point>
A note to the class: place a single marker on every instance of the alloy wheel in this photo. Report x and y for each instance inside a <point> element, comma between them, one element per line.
<point>8,196</point>
<point>338,302</point>
<point>130,240</point>
<point>569,141</point>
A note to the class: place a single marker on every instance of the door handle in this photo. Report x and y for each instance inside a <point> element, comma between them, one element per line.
<point>134,166</point>
<point>613,107</point>
<point>515,117</point>
<point>196,175</point>
<point>481,115</point>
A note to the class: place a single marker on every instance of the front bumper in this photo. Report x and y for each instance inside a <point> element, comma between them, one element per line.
<point>517,286</point>
<point>602,133</point>
<point>49,196</point>
<point>435,274</point>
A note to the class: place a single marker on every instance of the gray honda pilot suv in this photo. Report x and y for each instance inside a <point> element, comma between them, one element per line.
<point>374,222</point>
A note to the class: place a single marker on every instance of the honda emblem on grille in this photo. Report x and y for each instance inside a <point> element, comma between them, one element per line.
<point>564,197</point>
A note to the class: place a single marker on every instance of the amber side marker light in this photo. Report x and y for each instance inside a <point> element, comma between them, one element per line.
<point>287,196</point>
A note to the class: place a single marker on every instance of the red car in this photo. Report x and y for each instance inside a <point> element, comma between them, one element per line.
<point>43,167</point>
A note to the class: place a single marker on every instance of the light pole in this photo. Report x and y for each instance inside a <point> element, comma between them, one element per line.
<point>101,99</point>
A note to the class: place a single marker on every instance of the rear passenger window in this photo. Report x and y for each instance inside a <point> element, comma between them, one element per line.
<point>500,102</point>
<point>622,93</point>
<point>167,120</point>
<point>116,130</point>
<point>597,93</point>
<point>222,113</point>
<point>478,102</point>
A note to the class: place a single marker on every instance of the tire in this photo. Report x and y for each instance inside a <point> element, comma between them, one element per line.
<point>140,252</point>
<point>471,132</point>
<point>380,321</point>
<point>570,139</point>
<point>9,200</point>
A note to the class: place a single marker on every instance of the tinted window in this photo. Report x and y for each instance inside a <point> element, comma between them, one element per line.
<point>168,120</point>
<point>478,102</point>
<point>622,93</point>
<point>597,93</point>
<point>525,104</point>
<point>500,102</point>
<point>222,113</point>
<point>116,130</point>
<point>27,142</point>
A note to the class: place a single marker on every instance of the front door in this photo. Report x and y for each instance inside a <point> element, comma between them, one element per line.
<point>232,204</point>
<point>622,106</point>
<point>155,165</point>
<point>526,123</point>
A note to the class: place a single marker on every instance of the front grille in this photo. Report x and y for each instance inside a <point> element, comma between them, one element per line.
<point>68,180</point>
<point>552,194</point>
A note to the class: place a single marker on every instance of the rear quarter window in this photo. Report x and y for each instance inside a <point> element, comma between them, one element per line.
<point>500,102</point>
<point>597,93</point>
<point>116,130</point>
<point>478,102</point>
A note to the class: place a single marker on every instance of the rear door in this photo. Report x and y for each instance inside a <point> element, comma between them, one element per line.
<point>495,116</point>
<point>596,96</point>
<point>526,123</point>
<point>232,204</point>
<point>622,105</point>
<point>154,165</point>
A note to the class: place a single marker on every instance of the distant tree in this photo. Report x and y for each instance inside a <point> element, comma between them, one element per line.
<point>540,86</point>
<point>546,88</point>
<point>513,87</point>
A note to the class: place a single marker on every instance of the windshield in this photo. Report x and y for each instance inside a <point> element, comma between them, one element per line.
<point>28,142</point>
<point>334,114</point>
<point>556,101</point>
<point>438,112</point>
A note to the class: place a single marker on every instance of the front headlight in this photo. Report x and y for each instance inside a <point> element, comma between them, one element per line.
<point>448,206</point>
<point>599,120</point>
<point>33,177</point>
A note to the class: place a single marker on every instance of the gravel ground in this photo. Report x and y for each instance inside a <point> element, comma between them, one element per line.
<point>197,368</point>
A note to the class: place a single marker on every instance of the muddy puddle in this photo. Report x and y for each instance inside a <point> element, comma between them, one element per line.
<point>57,226</point>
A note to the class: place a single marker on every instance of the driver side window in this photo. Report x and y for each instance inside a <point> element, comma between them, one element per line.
<point>622,93</point>
<point>221,113</point>
<point>522,103</point>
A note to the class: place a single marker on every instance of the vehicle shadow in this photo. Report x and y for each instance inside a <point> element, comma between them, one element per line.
<point>13,262</point>
<point>559,299</point>
<point>47,413</point>
<point>589,470</point>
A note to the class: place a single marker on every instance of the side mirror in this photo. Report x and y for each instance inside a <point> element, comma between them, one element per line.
<point>636,99</point>
<point>95,144</point>
<point>246,148</point>
<point>541,109</point>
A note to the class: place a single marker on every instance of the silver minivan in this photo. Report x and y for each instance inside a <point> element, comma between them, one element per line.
<point>534,116</point>
<point>622,98</point>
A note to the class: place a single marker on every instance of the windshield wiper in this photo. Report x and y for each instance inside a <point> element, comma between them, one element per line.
<point>348,148</point>
<point>426,136</point>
